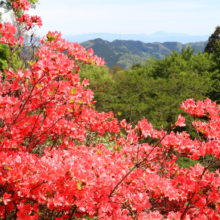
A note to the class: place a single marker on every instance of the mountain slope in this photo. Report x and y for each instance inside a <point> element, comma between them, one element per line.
<point>128,53</point>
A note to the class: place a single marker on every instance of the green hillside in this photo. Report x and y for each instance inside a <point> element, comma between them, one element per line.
<point>127,52</point>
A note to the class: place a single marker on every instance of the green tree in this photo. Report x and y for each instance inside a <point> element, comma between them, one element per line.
<point>212,42</point>
<point>214,92</point>
<point>176,63</point>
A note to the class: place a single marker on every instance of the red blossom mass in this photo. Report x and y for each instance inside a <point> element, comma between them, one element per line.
<point>48,169</point>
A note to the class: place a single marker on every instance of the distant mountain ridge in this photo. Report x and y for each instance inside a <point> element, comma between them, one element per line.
<point>159,36</point>
<point>127,53</point>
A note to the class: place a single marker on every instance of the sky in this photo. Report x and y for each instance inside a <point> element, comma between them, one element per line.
<point>73,17</point>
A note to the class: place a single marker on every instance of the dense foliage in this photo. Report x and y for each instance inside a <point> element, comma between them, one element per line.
<point>5,59</point>
<point>53,157</point>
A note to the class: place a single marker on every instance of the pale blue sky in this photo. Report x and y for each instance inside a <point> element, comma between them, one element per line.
<point>71,17</point>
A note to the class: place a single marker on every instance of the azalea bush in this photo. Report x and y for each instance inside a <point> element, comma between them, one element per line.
<point>50,167</point>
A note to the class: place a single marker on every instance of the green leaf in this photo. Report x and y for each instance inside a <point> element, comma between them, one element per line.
<point>79,185</point>
<point>73,91</point>
<point>80,102</point>
<point>99,152</point>
<point>38,86</point>
<point>71,100</point>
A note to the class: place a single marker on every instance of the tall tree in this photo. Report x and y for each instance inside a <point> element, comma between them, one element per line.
<point>212,42</point>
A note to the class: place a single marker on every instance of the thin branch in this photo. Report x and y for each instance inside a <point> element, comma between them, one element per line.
<point>37,186</point>
<point>34,126</point>
<point>42,123</point>
<point>46,131</point>
<point>189,202</point>
<point>72,217</point>
<point>137,165</point>
<point>14,121</point>
<point>138,153</point>
<point>5,212</point>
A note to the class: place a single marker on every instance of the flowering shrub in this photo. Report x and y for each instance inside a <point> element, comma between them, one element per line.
<point>46,172</point>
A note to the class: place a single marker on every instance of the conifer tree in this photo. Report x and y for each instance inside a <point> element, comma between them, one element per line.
<point>212,42</point>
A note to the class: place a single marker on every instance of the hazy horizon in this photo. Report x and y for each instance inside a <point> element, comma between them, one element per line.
<point>137,33</point>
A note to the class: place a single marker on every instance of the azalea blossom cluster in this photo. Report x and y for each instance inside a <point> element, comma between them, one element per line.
<point>50,169</point>
<point>8,30</point>
<point>30,21</point>
<point>21,5</point>
<point>8,35</point>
